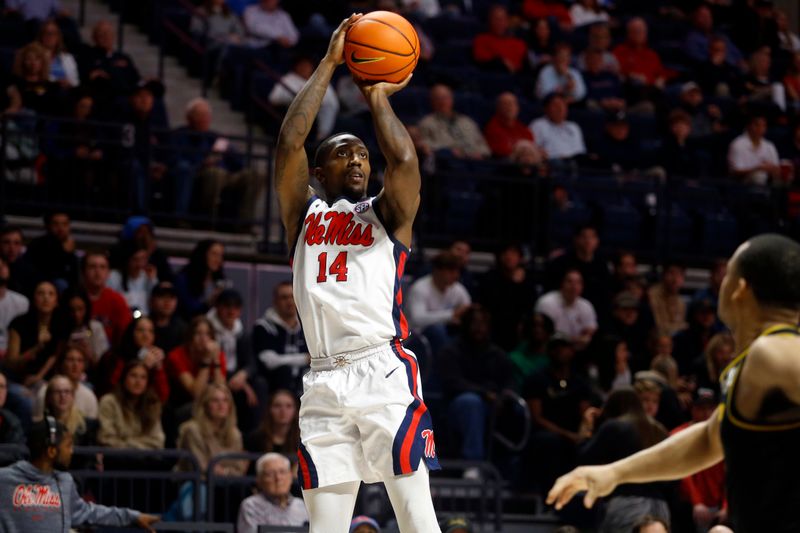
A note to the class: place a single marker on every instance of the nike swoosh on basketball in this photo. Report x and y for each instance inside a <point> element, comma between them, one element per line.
<point>360,60</point>
<point>392,371</point>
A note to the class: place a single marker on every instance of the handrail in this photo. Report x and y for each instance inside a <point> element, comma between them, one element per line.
<point>184,37</point>
<point>526,425</point>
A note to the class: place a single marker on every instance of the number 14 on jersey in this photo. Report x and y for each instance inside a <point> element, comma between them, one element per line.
<point>338,267</point>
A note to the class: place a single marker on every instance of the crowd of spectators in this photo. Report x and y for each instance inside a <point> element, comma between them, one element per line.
<point>608,356</point>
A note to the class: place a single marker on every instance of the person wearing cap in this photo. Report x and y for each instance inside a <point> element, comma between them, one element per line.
<point>630,324</point>
<point>139,231</point>
<point>457,524</point>
<point>704,490</point>
<point>170,328</point>
<point>364,524</point>
<point>235,341</point>
<point>616,151</point>
<point>706,118</point>
<point>274,504</point>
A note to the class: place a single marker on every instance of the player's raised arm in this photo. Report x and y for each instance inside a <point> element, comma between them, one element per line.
<point>291,161</point>
<point>401,183</point>
<point>679,456</point>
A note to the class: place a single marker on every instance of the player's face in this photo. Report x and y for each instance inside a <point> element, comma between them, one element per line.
<point>346,169</point>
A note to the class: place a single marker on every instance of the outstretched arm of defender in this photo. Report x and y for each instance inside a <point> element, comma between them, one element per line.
<point>291,161</point>
<point>401,183</point>
<point>681,455</point>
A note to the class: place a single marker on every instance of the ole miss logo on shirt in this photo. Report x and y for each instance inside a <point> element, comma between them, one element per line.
<point>337,228</point>
<point>35,496</point>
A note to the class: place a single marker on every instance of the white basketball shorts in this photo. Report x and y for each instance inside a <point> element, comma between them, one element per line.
<point>362,418</point>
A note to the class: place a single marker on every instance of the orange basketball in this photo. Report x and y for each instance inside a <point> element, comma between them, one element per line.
<point>381,46</point>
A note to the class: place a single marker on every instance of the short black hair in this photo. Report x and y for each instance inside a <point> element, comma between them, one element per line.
<point>284,283</point>
<point>326,145</point>
<point>580,228</point>
<point>40,436</point>
<point>95,252</point>
<point>9,229</point>
<point>48,216</point>
<point>445,261</point>
<point>229,298</point>
<point>649,520</point>
<point>771,266</point>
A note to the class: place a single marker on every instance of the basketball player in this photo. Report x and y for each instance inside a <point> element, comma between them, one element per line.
<point>362,417</point>
<point>756,428</point>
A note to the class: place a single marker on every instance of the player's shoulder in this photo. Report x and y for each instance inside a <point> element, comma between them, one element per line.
<point>775,354</point>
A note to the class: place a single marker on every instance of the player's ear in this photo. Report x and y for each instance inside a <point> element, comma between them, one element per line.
<point>317,173</point>
<point>741,289</point>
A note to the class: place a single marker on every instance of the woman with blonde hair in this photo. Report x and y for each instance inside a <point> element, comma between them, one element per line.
<point>59,402</point>
<point>130,417</point>
<point>718,353</point>
<point>31,87</point>
<point>212,431</point>
<point>63,67</point>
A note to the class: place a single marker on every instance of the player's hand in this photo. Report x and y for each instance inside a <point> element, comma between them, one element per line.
<point>382,87</point>
<point>336,46</point>
<point>146,521</point>
<point>597,481</point>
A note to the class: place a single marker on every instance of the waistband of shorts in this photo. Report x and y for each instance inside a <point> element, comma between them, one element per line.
<point>343,360</point>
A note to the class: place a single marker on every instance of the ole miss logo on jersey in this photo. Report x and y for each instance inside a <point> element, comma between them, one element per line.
<point>430,445</point>
<point>337,228</point>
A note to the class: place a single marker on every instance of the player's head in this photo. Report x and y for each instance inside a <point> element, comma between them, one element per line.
<point>49,440</point>
<point>341,165</point>
<point>763,275</point>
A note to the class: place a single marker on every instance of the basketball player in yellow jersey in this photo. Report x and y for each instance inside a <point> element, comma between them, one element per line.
<point>362,417</point>
<point>756,428</point>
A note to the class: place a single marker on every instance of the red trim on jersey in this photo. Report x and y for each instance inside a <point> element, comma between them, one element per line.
<point>401,266</point>
<point>304,470</point>
<point>408,440</point>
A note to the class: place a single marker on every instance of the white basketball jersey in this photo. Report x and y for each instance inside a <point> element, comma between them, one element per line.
<point>347,273</point>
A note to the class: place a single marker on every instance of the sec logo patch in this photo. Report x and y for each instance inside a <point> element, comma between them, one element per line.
<point>362,207</point>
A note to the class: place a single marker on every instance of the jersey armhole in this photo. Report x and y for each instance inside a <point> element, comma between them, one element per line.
<point>300,224</point>
<point>377,209</point>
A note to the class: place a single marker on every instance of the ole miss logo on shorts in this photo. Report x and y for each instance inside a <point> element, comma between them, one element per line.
<point>430,445</point>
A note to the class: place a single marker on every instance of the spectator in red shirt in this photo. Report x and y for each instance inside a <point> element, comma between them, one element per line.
<point>108,306</point>
<point>543,9</point>
<point>195,363</point>
<point>705,490</point>
<point>504,132</point>
<point>497,49</point>
<point>638,62</point>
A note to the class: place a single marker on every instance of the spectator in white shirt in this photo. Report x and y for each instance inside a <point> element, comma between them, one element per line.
<point>134,279</point>
<point>438,300</point>
<point>572,315</point>
<point>12,304</point>
<point>266,23</point>
<point>558,137</point>
<point>584,12</point>
<point>274,505</point>
<point>290,84</point>
<point>752,158</point>
<point>560,77</point>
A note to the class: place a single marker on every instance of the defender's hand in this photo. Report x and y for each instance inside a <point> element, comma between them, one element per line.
<point>382,87</point>
<point>336,46</point>
<point>597,481</point>
<point>146,521</point>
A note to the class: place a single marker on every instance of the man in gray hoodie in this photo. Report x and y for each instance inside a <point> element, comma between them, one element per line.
<point>37,498</point>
